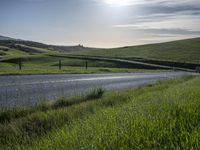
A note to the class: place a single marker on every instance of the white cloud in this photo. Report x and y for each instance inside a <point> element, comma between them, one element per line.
<point>179,23</point>
<point>160,2</point>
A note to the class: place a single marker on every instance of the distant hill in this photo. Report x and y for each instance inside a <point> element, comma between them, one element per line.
<point>181,51</point>
<point>11,42</point>
<point>76,48</point>
<point>5,38</point>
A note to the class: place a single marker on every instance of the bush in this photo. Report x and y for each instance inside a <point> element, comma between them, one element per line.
<point>95,94</point>
<point>91,95</point>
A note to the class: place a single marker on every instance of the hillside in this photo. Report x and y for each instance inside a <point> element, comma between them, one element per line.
<point>5,38</point>
<point>39,58</point>
<point>180,51</point>
<point>182,54</point>
<point>36,47</point>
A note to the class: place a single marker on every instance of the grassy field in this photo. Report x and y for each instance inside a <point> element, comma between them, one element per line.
<point>44,64</point>
<point>164,115</point>
<point>36,58</point>
<point>34,70</point>
<point>180,51</point>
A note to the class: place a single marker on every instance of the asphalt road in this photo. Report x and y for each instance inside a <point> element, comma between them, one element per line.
<point>31,89</point>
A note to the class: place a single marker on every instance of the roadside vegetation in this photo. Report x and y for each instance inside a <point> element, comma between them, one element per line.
<point>31,70</point>
<point>45,64</point>
<point>164,115</point>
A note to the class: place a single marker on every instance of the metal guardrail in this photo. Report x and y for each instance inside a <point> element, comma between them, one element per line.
<point>124,61</point>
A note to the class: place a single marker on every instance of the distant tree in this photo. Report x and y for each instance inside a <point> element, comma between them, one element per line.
<point>80,45</point>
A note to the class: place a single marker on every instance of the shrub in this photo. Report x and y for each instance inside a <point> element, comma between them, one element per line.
<point>62,103</point>
<point>91,95</point>
<point>95,94</point>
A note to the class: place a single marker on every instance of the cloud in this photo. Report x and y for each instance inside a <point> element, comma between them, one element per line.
<point>179,23</point>
<point>172,31</point>
<point>159,17</point>
<point>151,2</point>
<point>163,31</point>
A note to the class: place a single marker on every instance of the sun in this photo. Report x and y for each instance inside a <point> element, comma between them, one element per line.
<point>121,2</point>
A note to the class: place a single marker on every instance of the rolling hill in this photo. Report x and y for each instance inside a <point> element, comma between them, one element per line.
<point>180,51</point>
<point>37,47</point>
<point>184,51</point>
<point>5,38</point>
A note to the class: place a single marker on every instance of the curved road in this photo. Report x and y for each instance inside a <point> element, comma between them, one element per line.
<point>30,89</point>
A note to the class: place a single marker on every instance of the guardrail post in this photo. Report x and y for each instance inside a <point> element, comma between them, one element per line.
<point>60,65</point>
<point>86,65</point>
<point>20,63</point>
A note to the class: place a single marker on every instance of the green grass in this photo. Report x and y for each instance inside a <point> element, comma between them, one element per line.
<point>164,115</point>
<point>180,51</point>
<point>8,114</point>
<point>31,49</point>
<point>10,52</point>
<point>9,69</point>
<point>3,47</point>
<point>43,64</point>
<point>53,61</point>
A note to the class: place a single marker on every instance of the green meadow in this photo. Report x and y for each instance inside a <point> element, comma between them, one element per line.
<point>43,63</point>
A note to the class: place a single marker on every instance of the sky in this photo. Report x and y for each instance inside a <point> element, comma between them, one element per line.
<point>100,23</point>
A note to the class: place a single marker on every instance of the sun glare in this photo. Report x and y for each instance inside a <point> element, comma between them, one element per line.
<point>121,2</point>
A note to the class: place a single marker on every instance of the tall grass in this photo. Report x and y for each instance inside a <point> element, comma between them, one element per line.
<point>165,119</point>
<point>7,114</point>
<point>164,115</point>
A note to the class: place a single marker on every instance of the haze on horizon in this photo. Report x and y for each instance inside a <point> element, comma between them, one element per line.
<point>100,23</point>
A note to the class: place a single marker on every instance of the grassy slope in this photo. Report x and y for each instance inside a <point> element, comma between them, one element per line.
<point>10,52</point>
<point>181,51</point>
<point>43,64</point>
<point>37,63</point>
<point>164,116</point>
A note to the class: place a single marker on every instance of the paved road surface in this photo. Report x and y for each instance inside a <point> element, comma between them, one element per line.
<point>30,89</point>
